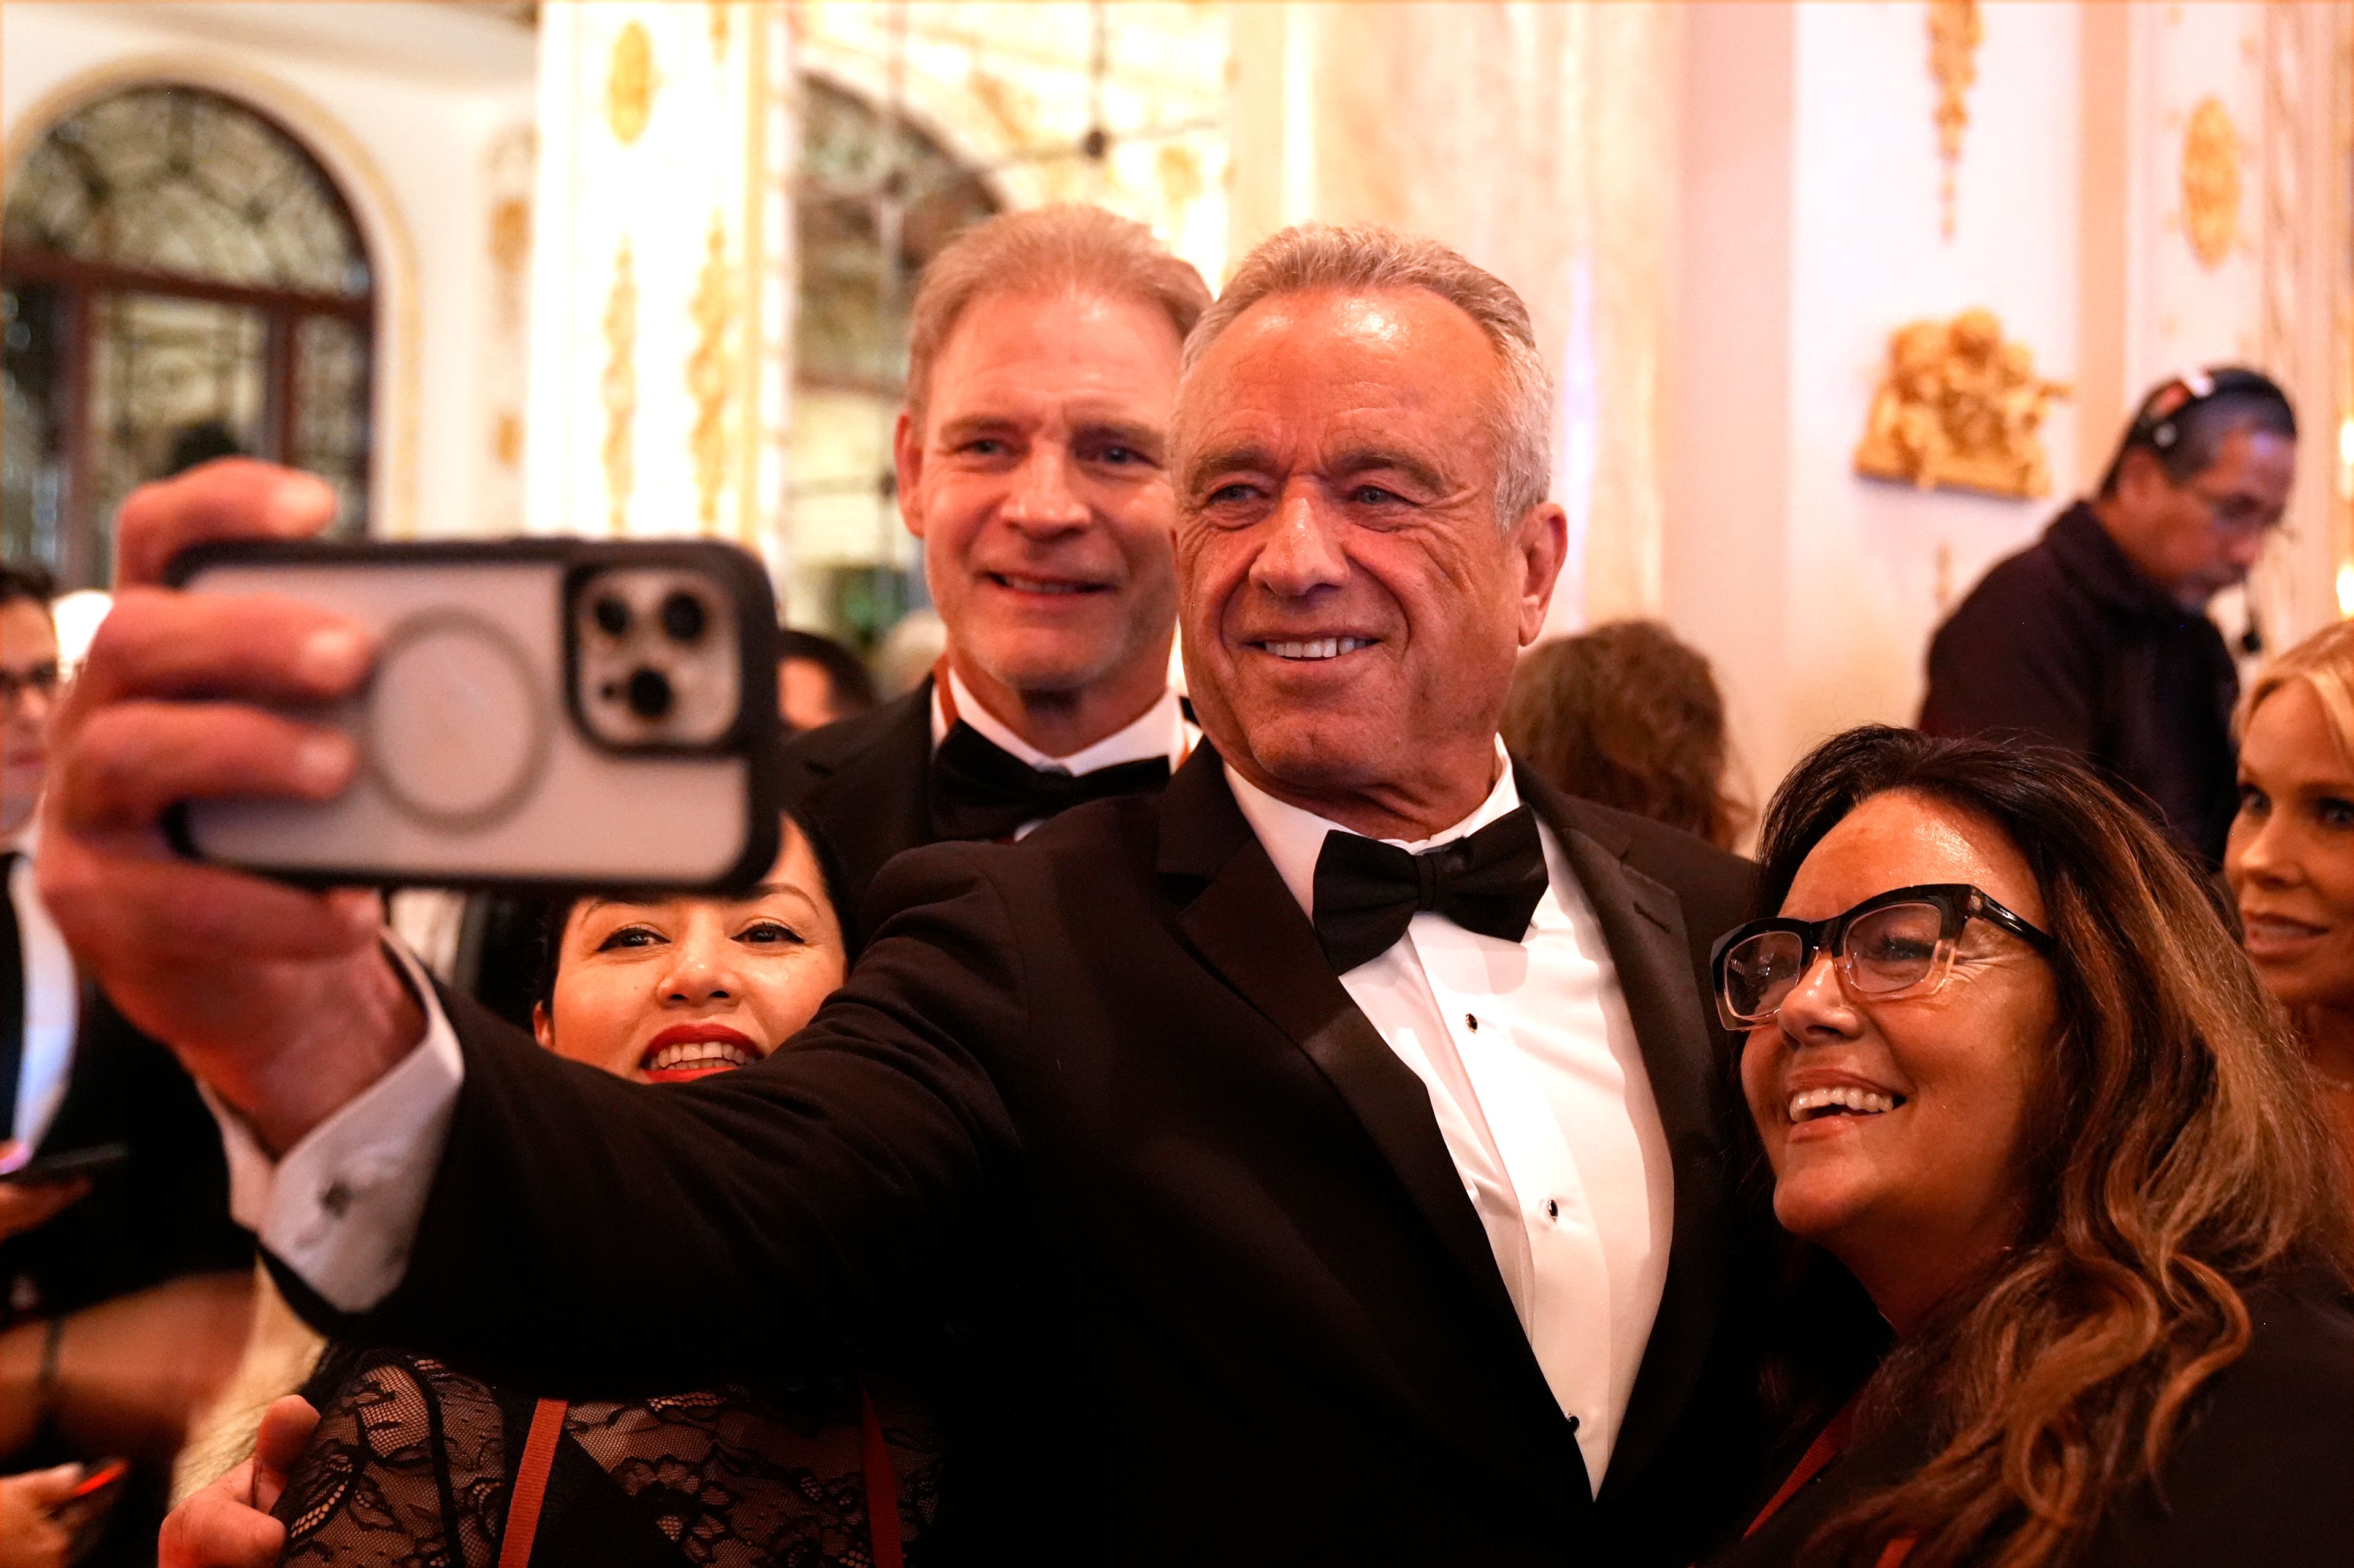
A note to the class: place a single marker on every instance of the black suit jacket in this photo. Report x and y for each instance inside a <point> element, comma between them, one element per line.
<point>1098,1098</point>
<point>163,1213</point>
<point>2261,1469</point>
<point>863,786</point>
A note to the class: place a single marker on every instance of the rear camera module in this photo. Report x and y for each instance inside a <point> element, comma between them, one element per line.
<point>683,617</point>
<point>655,656</point>
<point>649,694</point>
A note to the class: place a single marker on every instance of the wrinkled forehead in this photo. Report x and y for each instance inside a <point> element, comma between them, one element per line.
<point>1323,357</point>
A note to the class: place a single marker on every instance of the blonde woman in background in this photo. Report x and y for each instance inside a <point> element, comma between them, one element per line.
<point>2291,855</point>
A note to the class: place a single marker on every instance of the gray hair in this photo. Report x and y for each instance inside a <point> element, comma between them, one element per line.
<point>1044,251</point>
<point>1362,258</point>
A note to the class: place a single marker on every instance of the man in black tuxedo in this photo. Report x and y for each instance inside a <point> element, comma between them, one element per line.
<point>1326,1155</point>
<point>151,1236</point>
<point>1032,461</point>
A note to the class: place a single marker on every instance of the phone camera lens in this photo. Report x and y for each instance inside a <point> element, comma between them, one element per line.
<point>650,694</point>
<point>683,617</point>
<point>612,616</point>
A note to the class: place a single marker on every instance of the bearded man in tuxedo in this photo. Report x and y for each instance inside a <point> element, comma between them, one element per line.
<point>1326,1156</point>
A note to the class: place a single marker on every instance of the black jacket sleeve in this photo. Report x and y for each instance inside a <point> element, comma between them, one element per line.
<point>585,1231</point>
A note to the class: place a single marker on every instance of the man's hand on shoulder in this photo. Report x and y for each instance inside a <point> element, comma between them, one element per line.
<point>281,999</point>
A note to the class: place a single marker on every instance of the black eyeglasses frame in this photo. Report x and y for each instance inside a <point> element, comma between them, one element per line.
<point>1956,902</point>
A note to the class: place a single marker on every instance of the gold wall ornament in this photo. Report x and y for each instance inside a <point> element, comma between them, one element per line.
<point>630,83</point>
<point>1955,30</point>
<point>2211,149</point>
<point>511,235</point>
<point>620,386</point>
<point>506,439</point>
<point>709,376</point>
<point>1959,409</point>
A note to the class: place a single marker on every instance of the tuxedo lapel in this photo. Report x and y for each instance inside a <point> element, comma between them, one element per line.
<point>874,800</point>
<point>1247,927</point>
<point>1642,924</point>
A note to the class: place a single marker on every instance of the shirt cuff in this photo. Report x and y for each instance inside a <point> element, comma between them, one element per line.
<point>342,1208</point>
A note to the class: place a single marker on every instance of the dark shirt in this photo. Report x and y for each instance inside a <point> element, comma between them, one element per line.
<point>2067,642</point>
<point>2258,1472</point>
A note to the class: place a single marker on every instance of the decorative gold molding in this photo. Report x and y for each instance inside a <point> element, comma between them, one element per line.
<point>630,83</point>
<point>511,235</point>
<point>2212,149</point>
<point>620,386</point>
<point>708,376</point>
<point>1959,409</point>
<point>1955,31</point>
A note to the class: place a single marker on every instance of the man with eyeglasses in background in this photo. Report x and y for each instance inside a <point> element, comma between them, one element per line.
<point>2096,637</point>
<point>122,1294</point>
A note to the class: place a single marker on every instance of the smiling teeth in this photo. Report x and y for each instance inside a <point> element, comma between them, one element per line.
<point>699,1053</point>
<point>1323,648</point>
<point>1810,1103</point>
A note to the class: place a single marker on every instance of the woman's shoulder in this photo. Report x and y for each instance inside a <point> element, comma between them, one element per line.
<point>2259,1469</point>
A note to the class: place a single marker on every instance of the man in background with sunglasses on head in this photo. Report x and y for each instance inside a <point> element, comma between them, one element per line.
<point>2096,637</point>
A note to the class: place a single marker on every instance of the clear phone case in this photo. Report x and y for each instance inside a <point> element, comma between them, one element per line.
<point>541,713</point>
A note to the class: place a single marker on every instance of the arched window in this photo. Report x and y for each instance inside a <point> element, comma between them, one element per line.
<point>180,281</point>
<point>875,199</point>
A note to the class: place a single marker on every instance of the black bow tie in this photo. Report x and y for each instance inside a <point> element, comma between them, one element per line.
<point>981,790</point>
<point>1367,891</point>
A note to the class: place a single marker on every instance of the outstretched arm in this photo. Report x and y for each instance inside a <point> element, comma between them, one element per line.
<point>590,1234</point>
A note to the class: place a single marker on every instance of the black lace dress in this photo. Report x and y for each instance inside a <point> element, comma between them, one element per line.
<point>414,1465</point>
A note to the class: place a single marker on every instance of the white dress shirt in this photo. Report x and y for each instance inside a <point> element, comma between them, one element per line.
<point>1163,731</point>
<point>52,1005</point>
<point>341,1208</point>
<point>1539,1088</point>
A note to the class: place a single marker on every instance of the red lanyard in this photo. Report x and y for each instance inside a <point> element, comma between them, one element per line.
<point>1825,1447</point>
<point>1829,1444</point>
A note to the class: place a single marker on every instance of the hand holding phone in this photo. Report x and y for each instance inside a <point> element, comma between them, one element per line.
<point>279,997</point>
<point>32,1532</point>
<point>34,1191</point>
<point>82,1513</point>
<point>543,713</point>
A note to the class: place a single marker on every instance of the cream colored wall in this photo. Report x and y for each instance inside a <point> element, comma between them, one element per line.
<point>1810,186</point>
<point>402,103</point>
<point>1810,229</point>
<point>1874,566</point>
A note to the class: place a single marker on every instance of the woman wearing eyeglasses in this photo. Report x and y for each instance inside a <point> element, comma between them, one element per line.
<point>2015,1082</point>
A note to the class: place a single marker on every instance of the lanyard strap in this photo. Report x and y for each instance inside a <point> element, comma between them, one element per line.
<point>531,1483</point>
<point>1825,1447</point>
<point>883,1535</point>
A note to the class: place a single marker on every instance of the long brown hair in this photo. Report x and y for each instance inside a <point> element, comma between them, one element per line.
<point>2177,1159</point>
<point>1627,715</point>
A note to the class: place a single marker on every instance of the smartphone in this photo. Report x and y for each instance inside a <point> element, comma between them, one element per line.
<point>96,1160</point>
<point>82,1515</point>
<point>544,714</point>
